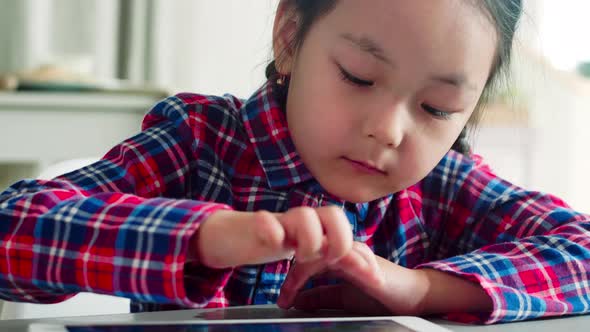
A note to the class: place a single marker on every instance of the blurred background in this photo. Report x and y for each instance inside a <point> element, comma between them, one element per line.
<point>77,76</point>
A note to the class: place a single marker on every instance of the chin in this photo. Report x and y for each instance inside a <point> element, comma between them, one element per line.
<point>354,195</point>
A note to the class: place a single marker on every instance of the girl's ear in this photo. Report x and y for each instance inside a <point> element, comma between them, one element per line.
<point>283,36</point>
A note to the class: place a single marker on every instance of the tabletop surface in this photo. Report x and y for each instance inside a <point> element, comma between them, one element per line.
<point>569,324</point>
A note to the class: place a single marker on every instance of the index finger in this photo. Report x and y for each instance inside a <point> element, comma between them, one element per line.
<point>338,232</point>
<point>296,279</point>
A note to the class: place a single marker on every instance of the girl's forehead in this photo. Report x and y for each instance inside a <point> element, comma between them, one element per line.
<point>415,18</point>
<point>445,35</point>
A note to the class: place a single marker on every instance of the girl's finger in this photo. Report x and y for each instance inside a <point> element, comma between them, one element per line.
<point>338,233</point>
<point>268,230</point>
<point>369,274</point>
<point>248,238</point>
<point>359,268</point>
<point>304,232</point>
<point>353,267</point>
<point>355,262</point>
<point>296,279</point>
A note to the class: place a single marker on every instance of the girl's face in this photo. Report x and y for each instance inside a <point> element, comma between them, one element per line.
<point>379,92</point>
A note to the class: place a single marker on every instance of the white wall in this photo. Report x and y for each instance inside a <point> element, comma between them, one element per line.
<point>215,46</point>
<point>552,34</point>
<point>559,112</point>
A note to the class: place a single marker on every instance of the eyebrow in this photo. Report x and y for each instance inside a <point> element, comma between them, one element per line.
<point>457,80</point>
<point>368,45</point>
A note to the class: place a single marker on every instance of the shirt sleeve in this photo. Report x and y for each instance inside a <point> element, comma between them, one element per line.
<point>120,226</point>
<point>528,250</point>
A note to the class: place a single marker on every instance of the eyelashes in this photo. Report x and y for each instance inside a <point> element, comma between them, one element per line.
<point>349,78</point>
<point>436,112</point>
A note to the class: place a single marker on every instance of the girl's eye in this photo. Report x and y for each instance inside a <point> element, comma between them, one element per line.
<point>348,77</point>
<point>436,112</point>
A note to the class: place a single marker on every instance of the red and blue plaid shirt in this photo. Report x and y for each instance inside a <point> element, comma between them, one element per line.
<point>122,225</point>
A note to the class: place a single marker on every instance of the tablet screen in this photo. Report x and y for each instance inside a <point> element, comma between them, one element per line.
<point>368,326</point>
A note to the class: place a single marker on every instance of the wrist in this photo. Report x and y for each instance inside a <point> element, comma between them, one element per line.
<point>198,248</point>
<point>404,290</point>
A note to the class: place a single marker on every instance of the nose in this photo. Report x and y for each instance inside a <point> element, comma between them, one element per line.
<point>387,125</point>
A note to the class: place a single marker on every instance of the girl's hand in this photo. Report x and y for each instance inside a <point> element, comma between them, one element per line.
<point>232,238</point>
<point>361,274</point>
<point>372,285</point>
<point>375,286</point>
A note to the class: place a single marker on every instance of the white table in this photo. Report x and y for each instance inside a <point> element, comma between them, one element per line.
<point>569,324</point>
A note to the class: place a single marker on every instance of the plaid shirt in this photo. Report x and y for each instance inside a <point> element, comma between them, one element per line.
<point>122,225</point>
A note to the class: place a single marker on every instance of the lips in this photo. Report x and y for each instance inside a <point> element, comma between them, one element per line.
<point>368,165</point>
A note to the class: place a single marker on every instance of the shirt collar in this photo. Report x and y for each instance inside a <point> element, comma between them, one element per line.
<point>266,126</point>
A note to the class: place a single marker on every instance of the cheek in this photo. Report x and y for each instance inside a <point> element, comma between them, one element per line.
<point>315,119</point>
<point>326,123</point>
<point>324,109</point>
<point>426,148</point>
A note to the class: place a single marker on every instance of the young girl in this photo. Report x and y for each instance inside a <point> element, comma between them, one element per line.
<point>344,182</point>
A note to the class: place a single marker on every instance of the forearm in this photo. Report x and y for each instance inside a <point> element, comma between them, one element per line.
<point>445,293</point>
<point>512,270</point>
<point>101,241</point>
<point>427,291</point>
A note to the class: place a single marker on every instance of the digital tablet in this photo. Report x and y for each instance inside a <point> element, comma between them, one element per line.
<point>372,324</point>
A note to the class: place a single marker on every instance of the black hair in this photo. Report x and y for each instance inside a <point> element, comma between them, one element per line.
<point>505,14</point>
